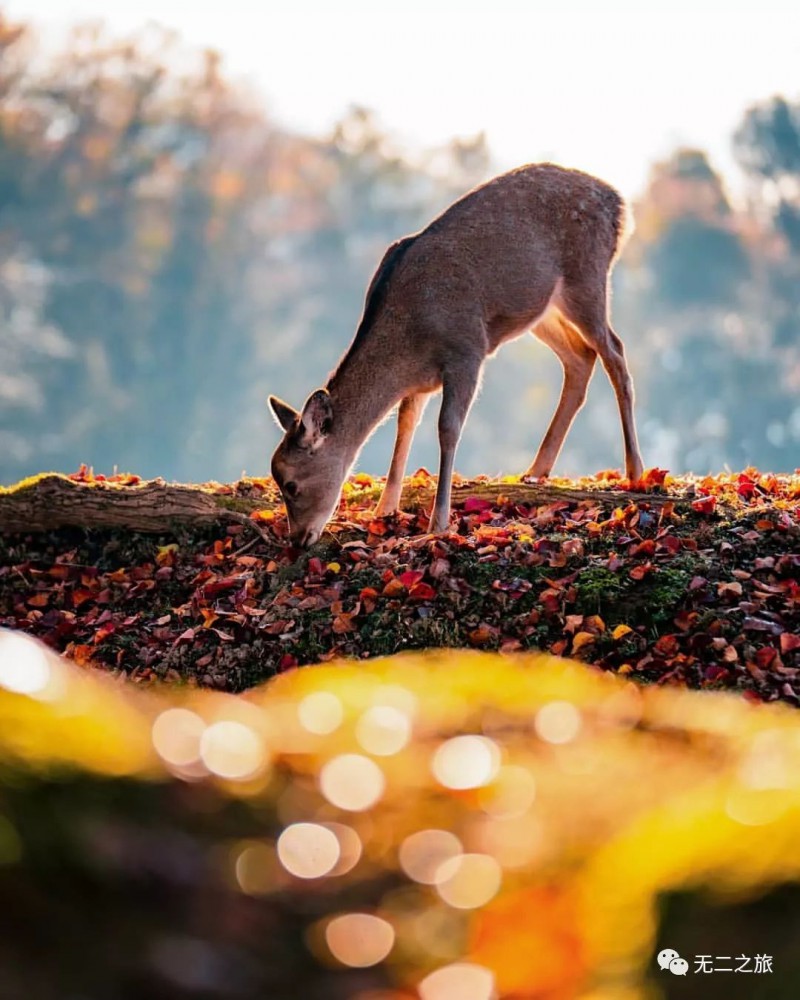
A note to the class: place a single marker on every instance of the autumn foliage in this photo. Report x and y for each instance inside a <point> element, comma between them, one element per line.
<point>670,580</point>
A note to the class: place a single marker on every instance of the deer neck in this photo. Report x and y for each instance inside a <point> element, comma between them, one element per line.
<point>363,389</point>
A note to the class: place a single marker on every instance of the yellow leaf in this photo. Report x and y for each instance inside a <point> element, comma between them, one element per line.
<point>165,554</point>
<point>620,631</point>
<point>582,639</point>
<point>209,617</point>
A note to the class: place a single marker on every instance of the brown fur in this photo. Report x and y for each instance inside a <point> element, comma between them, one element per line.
<point>530,250</point>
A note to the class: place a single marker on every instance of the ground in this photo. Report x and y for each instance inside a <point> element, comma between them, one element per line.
<point>680,580</point>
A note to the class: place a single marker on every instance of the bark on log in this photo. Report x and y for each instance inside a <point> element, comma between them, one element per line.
<point>49,502</point>
<point>52,501</point>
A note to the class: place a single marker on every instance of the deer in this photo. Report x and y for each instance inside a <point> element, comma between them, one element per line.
<point>529,251</point>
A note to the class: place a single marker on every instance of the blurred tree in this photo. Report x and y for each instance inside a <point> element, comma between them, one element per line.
<point>168,257</point>
<point>695,264</point>
<point>693,295</point>
<point>767,143</point>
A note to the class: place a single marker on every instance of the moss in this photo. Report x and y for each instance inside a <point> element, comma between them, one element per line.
<point>598,591</point>
<point>236,504</point>
<point>381,633</point>
<point>621,600</point>
<point>31,481</point>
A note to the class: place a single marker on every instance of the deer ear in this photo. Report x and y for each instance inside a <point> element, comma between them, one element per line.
<point>316,419</point>
<point>284,414</point>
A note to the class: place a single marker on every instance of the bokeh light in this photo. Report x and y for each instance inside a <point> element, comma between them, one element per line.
<point>397,696</point>
<point>359,939</point>
<point>256,868</point>
<point>320,712</point>
<point>308,850</point>
<point>466,762</point>
<point>558,722</point>
<point>383,730</point>
<point>352,782</point>
<point>766,765</point>
<point>468,880</point>
<point>24,665</point>
<point>755,806</point>
<point>512,792</point>
<point>514,841</point>
<point>421,854</point>
<point>459,981</point>
<point>350,847</point>
<point>176,736</point>
<point>232,750</point>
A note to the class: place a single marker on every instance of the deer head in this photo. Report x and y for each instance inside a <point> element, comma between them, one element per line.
<point>309,465</point>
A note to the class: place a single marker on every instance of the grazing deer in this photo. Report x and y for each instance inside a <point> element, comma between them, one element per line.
<point>530,250</point>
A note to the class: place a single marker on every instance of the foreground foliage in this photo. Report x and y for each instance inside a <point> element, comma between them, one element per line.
<point>694,581</point>
<point>429,825</point>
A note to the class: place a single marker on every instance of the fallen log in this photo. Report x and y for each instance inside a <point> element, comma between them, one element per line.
<point>50,501</point>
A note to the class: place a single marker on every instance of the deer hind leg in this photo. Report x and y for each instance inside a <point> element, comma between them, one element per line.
<point>408,417</point>
<point>586,307</point>
<point>459,385</point>
<point>577,358</point>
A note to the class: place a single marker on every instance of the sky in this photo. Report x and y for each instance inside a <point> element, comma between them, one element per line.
<point>608,86</point>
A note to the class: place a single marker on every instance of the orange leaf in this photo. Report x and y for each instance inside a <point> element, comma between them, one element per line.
<point>652,477</point>
<point>394,588</point>
<point>81,595</point>
<point>481,635</point>
<point>343,623</point>
<point>209,617</point>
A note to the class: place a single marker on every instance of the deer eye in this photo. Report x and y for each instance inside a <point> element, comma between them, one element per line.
<point>290,489</point>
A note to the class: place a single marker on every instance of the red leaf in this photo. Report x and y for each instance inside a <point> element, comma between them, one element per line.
<point>103,633</point>
<point>410,577</point>
<point>789,641</point>
<point>472,504</point>
<point>706,505</point>
<point>746,487</point>
<point>422,592</point>
<point>764,656</point>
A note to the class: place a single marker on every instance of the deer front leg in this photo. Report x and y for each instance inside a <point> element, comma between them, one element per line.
<point>458,391</point>
<point>408,416</point>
